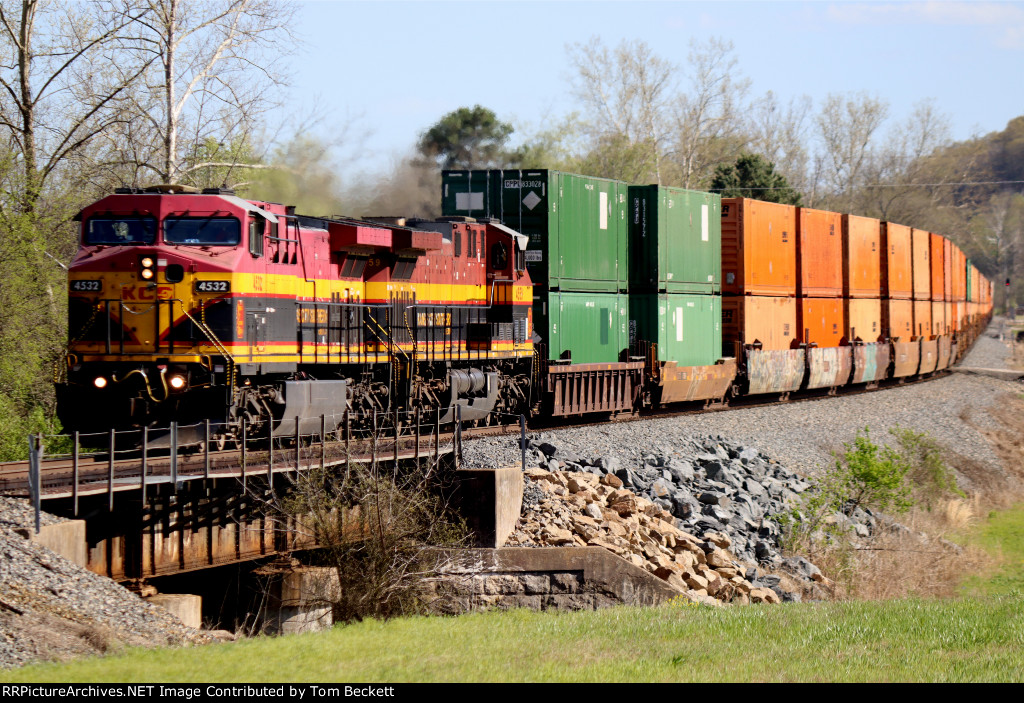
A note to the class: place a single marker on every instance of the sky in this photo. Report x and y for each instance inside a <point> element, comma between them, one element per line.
<point>382,72</point>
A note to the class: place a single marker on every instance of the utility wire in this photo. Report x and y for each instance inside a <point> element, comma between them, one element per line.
<point>887,185</point>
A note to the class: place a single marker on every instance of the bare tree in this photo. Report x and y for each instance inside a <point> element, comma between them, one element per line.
<point>626,93</point>
<point>214,68</point>
<point>903,181</point>
<point>847,126</point>
<point>708,130</point>
<point>999,238</point>
<point>779,133</point>
<point>63,77</point>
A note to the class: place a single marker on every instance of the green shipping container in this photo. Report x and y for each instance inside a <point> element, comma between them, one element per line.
<point>675,240</point>
<point>686,327</point>
<point>588,328</point>
<point>576,224</point>
<point>970,278</point>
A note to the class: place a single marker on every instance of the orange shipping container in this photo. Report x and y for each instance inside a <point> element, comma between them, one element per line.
<point>753,318</point>
<point>897,270</point>
<point>939,318</point>
<point>959,275</point>
<point>861,257</point>
<point>937,266</point>
<point>819,253</point>
<point>863,319</point>
<point>923,318</point>
<point>955,323</point>
<point>898,319</point>
<point>947,268</point>
<point>820,321</point>
<point>758,248</point>
<point>922,272</point>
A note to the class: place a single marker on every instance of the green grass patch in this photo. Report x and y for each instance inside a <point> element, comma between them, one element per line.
<point>1001,535</point>
<point>910,640</point>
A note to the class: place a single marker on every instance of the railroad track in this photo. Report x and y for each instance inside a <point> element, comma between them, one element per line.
<point>96,472</point>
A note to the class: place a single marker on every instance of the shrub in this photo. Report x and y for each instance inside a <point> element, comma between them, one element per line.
<point>931,476</point>
<point>874,477</point>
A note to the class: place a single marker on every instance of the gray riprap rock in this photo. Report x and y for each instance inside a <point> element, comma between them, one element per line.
<point>661,488</point>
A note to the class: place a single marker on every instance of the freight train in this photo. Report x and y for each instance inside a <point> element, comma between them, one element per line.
<point>536,292</point>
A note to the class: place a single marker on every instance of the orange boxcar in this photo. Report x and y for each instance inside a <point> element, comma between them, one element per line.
<point>863,319</point>
<point>897,273</point>
<point>898,319</point>
<point>921,269</point>
<point>923,318</point>
<point>861,257</point>
<point>821,321</point>
<point>747,319</point>
<point>819,253</point>
<point>758,248</point>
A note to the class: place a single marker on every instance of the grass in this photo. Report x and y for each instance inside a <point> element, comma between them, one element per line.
<point>907,640</point>
<point>1002,535</point>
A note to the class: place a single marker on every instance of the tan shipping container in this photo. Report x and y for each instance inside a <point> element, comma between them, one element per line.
<point>819,253</point>
<point>939,318</point>
<point>862,257</point>
<point>769,320</point>
<point>820,321</point>
<point>863,319</point>
<point>898,319</point>
<point>922,272</point>
<point>897,263</point>
<point>923,318</point>
<point>955,322</point>
<point>758,248</point>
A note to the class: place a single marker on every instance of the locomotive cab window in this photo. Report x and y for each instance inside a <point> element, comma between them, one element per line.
<point>202,231</point>
<point>520,260</point>
<point>499,256</point>
<point>257,227</point>
<point>120,231</point>
<point>458,243</point>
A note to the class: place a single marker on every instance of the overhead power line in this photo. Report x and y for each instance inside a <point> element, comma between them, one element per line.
<point>892,185</point>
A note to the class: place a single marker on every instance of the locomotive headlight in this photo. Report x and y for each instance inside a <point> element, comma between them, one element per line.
<point>147,268</point>
<point>100,382</point>
<point>176,382</point>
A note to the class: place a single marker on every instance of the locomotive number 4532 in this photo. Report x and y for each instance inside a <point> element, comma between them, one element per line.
<point>213,286</point>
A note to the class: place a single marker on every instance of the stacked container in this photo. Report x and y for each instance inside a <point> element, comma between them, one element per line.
<point>675,269</point>
<point>862,300</point>
<point>922,283</point>
<point>897,297</point>
<point>819,256</point>
<point>577,255</point>
<point>759,288</point>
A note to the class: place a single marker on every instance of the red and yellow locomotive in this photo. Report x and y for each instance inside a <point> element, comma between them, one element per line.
<point>187,306</point>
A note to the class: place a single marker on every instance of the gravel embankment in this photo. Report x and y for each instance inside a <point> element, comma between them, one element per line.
<point>52,609</point>
<point>799,435</point>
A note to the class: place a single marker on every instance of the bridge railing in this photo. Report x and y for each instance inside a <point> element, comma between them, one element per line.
<point>76,464</point>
